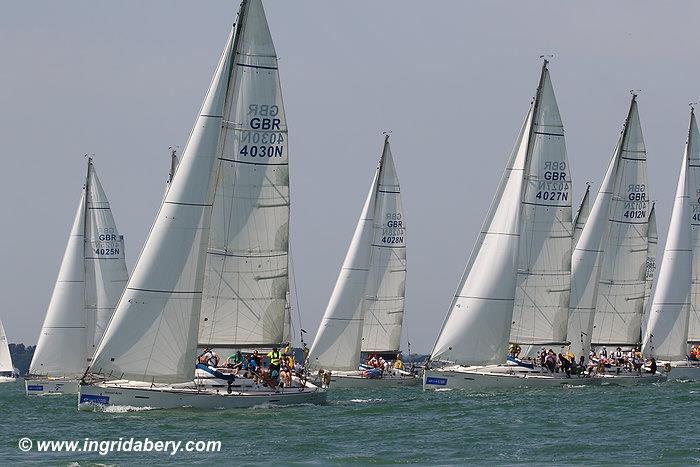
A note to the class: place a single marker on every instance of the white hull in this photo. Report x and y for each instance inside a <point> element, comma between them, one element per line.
<point>497,377</point>
<point>134,394</point>
<point>359,381</point>
<point>682,371</point>
<point>44,386</point>
<point>631,379</point>
<point>7,379</point>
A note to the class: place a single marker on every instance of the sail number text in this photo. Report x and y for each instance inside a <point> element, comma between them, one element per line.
<point>268,139</point>
<point>108,243</point>
<point>636,204</point>
<point>555,186</point>
<point>393,229</point>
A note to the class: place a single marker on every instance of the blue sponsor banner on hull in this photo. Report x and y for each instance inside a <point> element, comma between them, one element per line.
<point>436,381</point>
<point>35,387</point>
<point>90,399</point>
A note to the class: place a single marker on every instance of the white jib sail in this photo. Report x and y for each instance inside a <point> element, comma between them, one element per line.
<point>339,337</point>
<point>666,333</point>
<point>246,277</point>
<point>477,326</point>
<point>61,350</point>
<point>105,266</point>
<point>541,307</point>
<point>385,290</point>
<point>584,210</point>
<point>650,272</point>
<point>153,333</point>
<point>620,304</point>
<point>5,358</point>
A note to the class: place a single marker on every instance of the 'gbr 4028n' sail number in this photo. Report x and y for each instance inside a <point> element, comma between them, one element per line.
<point>264,136</point>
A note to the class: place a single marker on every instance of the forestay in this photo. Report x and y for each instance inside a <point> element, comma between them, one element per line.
<point>5,358</point>
<point>153,334</point>
<point>385,289</point>
<point>541,307</point>
<point>666,333</point>
<point>246,276</point>
<point>619,306</point>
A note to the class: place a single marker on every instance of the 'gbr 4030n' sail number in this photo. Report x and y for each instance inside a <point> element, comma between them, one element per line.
<point>264,136</point>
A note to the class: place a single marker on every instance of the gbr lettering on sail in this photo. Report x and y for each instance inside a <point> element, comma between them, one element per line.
<point>265,138</point>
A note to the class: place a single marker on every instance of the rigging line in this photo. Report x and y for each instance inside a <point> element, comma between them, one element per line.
<point>293,280</point>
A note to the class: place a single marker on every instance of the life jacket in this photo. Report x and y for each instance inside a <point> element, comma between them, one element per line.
<point>274,357</point>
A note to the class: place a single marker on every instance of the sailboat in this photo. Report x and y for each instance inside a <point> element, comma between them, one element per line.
<point>609,283</point>
<point>366,308</point>
<point>7,370</point>
<point>516,284</point>
<point>91,278</point>
<point>213,270</point>
<point>673,321</point>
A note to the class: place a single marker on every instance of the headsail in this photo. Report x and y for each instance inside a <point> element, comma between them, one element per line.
<point>619,308</point>
<point>385,290</point>
<point>153,333</point>
<point>477,327</point>
<point>667,330</point>
<point>541,307</point>
<point>339,337</point>
<point>105,266</point>
<point>62,346</point>
<point>246,278</point>
<point>5,358</point>
<point>584,210</point>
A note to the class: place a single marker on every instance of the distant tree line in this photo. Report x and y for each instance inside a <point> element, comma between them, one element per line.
<point>22,356</point>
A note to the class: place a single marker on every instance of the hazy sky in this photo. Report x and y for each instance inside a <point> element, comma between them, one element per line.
<point>452,80</point>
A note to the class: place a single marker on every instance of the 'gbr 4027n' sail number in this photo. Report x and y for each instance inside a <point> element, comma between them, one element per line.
<point>264,136</point>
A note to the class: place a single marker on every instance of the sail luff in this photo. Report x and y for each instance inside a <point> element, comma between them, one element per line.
<point>152,335</point>
<point>386,281</point>
<point>61,349</point>
<point>338,340</point>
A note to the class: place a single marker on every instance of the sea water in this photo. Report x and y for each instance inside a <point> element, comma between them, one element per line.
<point>648,424</point>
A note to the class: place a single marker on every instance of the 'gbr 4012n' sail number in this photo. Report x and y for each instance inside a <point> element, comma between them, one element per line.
<point>264,136</point>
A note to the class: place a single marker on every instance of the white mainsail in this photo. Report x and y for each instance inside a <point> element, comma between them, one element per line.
<point>366,275</point>
<point>584,210</point>
<point>385,290</point>
<point>105,264</point>
<point>478,326</point>
<point>619,308</point>
<point>91,279</point>
<point>594,242</point>
<point>153,333</point>
<point>5,358</point>
<point>666,333</point>
<point>541,307</point>
<point>246,276</point>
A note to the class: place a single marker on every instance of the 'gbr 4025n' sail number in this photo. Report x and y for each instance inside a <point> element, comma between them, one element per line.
<point>264,136</point>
